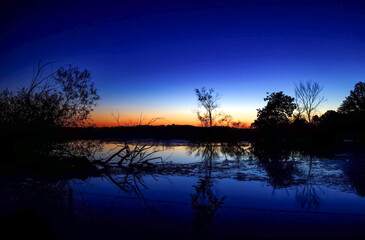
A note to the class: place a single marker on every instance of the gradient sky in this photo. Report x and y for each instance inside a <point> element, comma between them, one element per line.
<point>149,56</point>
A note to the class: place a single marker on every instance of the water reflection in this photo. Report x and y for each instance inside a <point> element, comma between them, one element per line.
<point>355,171</point>
<point>205,204</point>
<point>225,178</point>
<point>279,163</point>
<point>129,182</point>
<point>40,207</point>
<point>307,193</point>
<point>89,149</point>
<point>212,151</point>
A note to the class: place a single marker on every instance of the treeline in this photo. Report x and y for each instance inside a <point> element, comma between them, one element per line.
<point>294,120</point>
<point>65,98</point>
<point>287,119</point>
<point>169,132</point>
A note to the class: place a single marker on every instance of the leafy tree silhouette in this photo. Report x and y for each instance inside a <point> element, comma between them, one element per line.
<point>62,98</point>
<point>276,113</point>
<point>355,102</point>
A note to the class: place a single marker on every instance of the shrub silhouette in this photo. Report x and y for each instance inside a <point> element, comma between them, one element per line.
<point>63,98</point>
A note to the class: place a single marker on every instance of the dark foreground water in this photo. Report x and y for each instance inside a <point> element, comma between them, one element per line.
<point>194,191</point>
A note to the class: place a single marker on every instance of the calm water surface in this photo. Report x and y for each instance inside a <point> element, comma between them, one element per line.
<point>205,190</point>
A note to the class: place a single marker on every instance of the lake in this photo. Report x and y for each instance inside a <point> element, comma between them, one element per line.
<point>185,190</point>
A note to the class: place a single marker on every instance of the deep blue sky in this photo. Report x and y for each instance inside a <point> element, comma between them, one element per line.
<point>150,55</point>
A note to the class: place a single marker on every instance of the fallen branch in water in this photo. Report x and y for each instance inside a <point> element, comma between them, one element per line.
<point>136,156</point>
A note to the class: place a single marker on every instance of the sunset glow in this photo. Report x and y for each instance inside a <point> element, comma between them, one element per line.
<point>148,59</point>
<point>182,119</point>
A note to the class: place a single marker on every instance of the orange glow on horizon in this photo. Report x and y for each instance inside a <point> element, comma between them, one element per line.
<point>102,119</point>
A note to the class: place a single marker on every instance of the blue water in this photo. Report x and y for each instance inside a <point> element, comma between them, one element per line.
<point>243,196</point>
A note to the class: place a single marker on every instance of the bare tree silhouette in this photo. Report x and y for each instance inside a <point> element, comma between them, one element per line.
<point>209,101</point>
<point>225,120</point>
<point>116,117</point>
<point>307,98</point>
<point>134,123</point>
<point>239,124</point>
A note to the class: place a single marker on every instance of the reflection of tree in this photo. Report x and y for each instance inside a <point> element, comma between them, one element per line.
<point>355,171</point>
<point>56,159</point>
<point>204,202</point>
<point>129,182</point>
<point>277,162</point>
<point>34,205</point>
<point>208,151</point>
<point>79,148</point>
<point>307,195</point>
<point>128,165</point>
<point>134,155</point>
<point>211,151</point>
<point>233,149</point>
<point>38,195</point>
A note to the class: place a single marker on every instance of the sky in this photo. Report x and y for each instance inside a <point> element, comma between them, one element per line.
<point>148,56</point>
